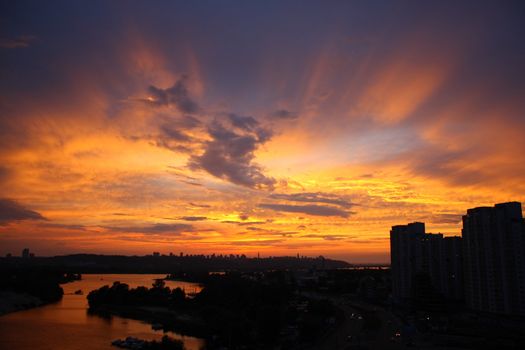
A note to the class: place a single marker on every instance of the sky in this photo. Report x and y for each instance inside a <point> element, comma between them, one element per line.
<point>244,127</point>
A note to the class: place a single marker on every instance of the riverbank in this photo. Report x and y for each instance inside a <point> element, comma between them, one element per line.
<point>160,317</point>
<point>13,302</point>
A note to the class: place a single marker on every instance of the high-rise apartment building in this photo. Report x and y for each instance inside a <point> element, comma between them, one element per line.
<point>403,255</point>
<point>419,256</point>
<point>453,258</point>
<point>494,258</point>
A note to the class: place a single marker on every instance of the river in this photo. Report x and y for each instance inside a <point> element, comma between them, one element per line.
<point>67,325</point>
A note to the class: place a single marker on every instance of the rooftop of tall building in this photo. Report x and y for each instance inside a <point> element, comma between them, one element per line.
<point>512,208</point>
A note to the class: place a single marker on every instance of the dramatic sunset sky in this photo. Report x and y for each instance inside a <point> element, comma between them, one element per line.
<point>278,127</point>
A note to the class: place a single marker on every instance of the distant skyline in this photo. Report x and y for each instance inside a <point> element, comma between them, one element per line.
<point>272,127</point>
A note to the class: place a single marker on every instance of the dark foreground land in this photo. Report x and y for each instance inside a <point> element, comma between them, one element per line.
<point>272,303</point>
<point>234,310</point>
<point>307,309</point>
<point>166,343</point>
<point>26,287</point>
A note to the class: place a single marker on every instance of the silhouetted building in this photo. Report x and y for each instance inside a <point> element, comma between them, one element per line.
<point>424,263</point>
<point>454,283</point>
<point>403,252</point>
<point>25,253</point>
<point>494,258</point>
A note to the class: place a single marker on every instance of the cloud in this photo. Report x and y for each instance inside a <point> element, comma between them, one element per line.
<point>156,229</point>
<point>224,148</point>
<point>265,231</point>
<point>259,242</point>
<point>229,154</point>
<point>159,239</point>
<point>253,228</point>
<point>197,205</point>
<point>136,189</point>
<point>338,205</point>
<point>193,218</point>
<point>173,133</point>
<point>446,218</point>
<point>13,211</point>
<point>243,123</point>
<point>316,210</point>
<point>176,133</point>
<point>18,42</point>
<point>193,183</point>
<point>177,95</point>
<point>333,238</point>
<point>314,197</point>
<point>174,139</point>
<point>327,237</point>
<point>438,162</point>
<point>66,226</point>
<point>188,122</point>
<point>245,223</point>
<point>4,174</point>
<point>283,114</point>
<point>373,240</point>
<point>87,154</point>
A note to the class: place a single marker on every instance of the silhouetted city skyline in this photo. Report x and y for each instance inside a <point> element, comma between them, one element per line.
<point>485,267</point>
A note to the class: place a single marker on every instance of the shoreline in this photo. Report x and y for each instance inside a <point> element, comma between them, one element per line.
<point>167,320</point>
<point>11,302</point>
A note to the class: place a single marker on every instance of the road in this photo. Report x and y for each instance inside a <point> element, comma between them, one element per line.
<point>353,326</point>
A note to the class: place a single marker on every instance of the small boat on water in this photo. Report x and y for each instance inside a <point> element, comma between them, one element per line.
<point>79,292</point>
